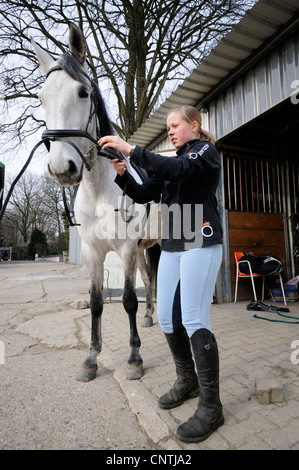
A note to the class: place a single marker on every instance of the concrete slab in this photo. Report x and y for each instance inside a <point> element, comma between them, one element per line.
<point>38,318</point>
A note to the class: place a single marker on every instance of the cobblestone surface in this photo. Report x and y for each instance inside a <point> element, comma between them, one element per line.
<point>253,354</point>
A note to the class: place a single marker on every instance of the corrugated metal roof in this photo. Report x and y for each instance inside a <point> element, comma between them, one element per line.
<point>257,25</point>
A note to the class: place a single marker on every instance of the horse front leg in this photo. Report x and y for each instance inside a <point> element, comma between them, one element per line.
<point>89,367</point>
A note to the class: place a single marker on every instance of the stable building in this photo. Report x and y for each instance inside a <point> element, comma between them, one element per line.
<point>247,90</point>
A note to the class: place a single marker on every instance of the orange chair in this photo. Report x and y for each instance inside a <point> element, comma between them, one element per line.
<point>252,275</point>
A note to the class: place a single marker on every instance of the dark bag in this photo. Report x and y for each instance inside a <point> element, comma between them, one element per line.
<point>268,264</point>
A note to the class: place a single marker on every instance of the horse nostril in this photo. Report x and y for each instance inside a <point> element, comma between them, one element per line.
<point>50,172</point>
<point>72,168</point>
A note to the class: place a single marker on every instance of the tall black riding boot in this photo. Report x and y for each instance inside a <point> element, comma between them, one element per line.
<point>208,416</point>
<point>186,385</point>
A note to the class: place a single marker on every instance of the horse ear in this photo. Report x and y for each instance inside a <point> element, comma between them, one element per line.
<point>45,60</point>
<point>77,43</point>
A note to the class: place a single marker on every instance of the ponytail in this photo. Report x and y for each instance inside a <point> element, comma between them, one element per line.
<point>206,136</point>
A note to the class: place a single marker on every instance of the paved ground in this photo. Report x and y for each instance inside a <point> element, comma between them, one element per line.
<point>44,337</point>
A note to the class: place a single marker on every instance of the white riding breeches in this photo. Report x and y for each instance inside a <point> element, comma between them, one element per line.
<point>186,283</point>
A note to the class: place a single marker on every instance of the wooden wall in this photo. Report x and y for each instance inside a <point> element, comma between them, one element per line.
<point>260,233</point>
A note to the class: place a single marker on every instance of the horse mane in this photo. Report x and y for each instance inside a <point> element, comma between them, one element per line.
<point>70,64</point>
<point>102,114</point>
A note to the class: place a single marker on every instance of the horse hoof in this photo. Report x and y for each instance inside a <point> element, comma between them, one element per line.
<point>135,373</point>
<point>87,374</point>
<point>147,321</point>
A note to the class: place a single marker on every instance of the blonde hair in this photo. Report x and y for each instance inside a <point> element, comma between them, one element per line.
<point>191,114</point>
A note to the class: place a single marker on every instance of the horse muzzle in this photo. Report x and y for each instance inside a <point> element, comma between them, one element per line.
<point>66,171</point>
<point>71,177</point>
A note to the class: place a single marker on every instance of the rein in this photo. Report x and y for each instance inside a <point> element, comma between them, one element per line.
<point>18,177</point>
<point>60,135</point>
<point>51,135</point>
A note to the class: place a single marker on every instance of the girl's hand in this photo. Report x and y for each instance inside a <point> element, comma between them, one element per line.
<point>115,142</point>
<point>119,166</point>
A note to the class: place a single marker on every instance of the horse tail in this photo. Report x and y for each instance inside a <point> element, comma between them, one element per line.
<point>152,256</point>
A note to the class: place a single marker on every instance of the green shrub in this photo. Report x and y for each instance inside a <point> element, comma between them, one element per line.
<point>38,243</point>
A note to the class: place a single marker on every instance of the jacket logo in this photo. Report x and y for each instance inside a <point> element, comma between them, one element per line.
<point>207,230</point>
<point>194,155</point>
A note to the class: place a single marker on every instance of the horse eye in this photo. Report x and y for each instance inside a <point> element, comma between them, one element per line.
<point>83,93</point>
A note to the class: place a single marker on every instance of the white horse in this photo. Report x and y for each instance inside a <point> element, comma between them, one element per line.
<point>76,116</point>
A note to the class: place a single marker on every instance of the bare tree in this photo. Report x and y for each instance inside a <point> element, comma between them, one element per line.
<point>137,50</point>
<point>35,202</point>
<point>52,206</point>
<point>23,204</point>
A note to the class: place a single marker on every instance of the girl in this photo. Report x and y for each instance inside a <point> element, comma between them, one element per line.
<point>189,262</point>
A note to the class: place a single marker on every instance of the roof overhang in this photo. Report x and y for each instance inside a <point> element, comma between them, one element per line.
<point>259,31</point>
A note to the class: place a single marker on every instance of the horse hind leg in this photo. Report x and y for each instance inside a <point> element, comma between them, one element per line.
<point>89,367</point>
<point>130,303</point>
<point>146,278</point>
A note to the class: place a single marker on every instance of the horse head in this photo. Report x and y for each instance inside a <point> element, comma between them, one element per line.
<point>67,96</point>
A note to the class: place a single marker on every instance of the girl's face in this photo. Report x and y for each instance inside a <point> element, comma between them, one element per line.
<point>179,130</point>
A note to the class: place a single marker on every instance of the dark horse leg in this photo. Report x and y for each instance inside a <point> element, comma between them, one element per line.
<point>135,364</point>
<point>130,303</point>
<point>89,367</point>
<point>146,278</point>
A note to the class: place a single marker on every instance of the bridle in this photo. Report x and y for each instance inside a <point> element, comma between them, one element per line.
<point>50,135</point>
<point>62,134</point>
